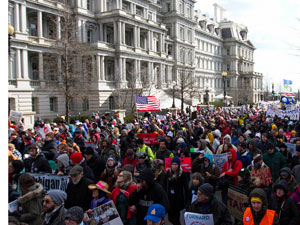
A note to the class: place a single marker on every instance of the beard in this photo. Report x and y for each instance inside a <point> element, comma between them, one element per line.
<point>49,209</point>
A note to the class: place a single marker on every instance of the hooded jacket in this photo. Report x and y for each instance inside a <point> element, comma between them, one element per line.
<point>235,165</point>
<point>284,206</point>
<point>257,217</point>
<point>154,193</point>
<point>291,182</point>
<point>30,205</point>
<point>220,148</point>
<point>275,161</point>
<point>212,169</point>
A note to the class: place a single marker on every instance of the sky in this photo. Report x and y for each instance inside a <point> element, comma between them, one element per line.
<point>274,29</point>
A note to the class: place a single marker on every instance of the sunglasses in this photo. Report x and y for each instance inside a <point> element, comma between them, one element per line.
<point>46,201</point>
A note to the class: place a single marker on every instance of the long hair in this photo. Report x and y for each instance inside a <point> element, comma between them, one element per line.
<point>127,177</point>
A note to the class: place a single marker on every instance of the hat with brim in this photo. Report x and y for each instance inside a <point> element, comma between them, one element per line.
<point>101,185</point>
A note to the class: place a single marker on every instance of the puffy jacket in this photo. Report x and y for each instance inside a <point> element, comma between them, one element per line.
<point>275,161</point>
<point>237,166</point>
<point>50,149</point>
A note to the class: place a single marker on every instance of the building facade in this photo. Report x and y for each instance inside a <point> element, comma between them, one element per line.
<point>149,44</point>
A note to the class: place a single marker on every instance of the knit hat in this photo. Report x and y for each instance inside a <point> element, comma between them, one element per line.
<point>111,158</point>
<point>176,160</point>
<point>75,213</point>
<point>182,145</point>
<point>57,196</point>
<point>64,159</point>
<point>244,173</point>
<point>206,189</point>
<point>179,140</point>
<point>76,157</point>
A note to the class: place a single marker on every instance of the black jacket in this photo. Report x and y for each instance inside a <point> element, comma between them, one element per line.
<point>97,165</point>
<point>163,154</point>
<point>37,165</point>
<point>50,149</point>
<point>87,171</point>
<point>19,145</point>
<point>79,194</point>
<point>216,207</point>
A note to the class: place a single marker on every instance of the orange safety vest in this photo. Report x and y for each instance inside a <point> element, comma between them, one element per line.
<point>267,219</point>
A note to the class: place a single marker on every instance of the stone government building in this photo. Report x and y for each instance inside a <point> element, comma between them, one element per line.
<point>158,40</point>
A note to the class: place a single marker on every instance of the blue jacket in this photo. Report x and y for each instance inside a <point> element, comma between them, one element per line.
<point>245,158</point>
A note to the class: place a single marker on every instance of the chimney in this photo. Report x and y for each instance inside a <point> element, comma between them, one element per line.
<point>218,12</point>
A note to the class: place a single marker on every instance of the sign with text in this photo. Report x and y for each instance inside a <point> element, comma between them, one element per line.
<point>220,160</point>
<point>291,148</point>
<point>148,138</point>
<point>236,199</point>
<point>15,116</point>
<point>106,214</point>
<point>201,219</point>
<point>185,163</point>
<point>264,174</point>
<point>292,114</point>
<point>51,182</point>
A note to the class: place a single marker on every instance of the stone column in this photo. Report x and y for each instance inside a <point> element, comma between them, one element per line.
<point>124,69</point>
<point>101,32</point>
<point>23,19</point>
<point>138,36</point>
<point>10,65</point>
<point>25,63</point>
<point>79,30</point>
<point>84,39</point>
<point>123,33</point>
<point>150,70</point>
<point>58,28</point>
<point>17,18</point>
<point>149,40</point>
<point>60,78</point>
<point>98,67</point>
<point>102,67</point>
<point>135,39</point>
<point>119,33</point>
<point>41,66</point>
<point>40,23</point>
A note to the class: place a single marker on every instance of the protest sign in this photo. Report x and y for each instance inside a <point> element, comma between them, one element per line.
<point>148,138</point>
<point>236,199</point>
<point>13,206</point>
<point>201,219</point>
<point>15,116</point>
<point>185,164</point>
<point>291,148</point>
<point>106,214</point>
<point>51,182</point>
<point>43,130</point>
<point>161,117</point>
<point>292,114</point>
<point>220,160</point>
<point>264,174</point>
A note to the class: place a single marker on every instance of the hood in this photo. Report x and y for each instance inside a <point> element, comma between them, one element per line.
<point>203,144</point>
<point>36,191</point>
<point>287,169</point>
<point>217,133</point>
<point>282,184</point>
<point>147,175</point>
<point>210,157</point>
<point>64,159</point>
<point>258,192</point>
<point>234,155</point>
<point>227,136</point>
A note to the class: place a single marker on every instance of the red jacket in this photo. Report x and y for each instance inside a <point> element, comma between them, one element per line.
<point>116,191</point>
<point>236,168</point>
<point>127,161</point>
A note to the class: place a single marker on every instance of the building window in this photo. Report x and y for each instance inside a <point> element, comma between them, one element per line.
<point>53,104</point>
<point>228,83</point>
<point>89,36</point>
<point>228,51</point>
<point>88,4</point>
<point>168,7</point>
<point>11,104</point>
<point>189,33</point>
<point>169,30</point>
<point>111,102</point>
<point>170,49</point>
<point>85,104</point>
<point>181,33</point>
<point>139,11</point>
<point>34,104</point>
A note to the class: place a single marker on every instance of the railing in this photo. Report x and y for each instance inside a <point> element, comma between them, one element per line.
<point>12,82</point>
<point>34,83</point>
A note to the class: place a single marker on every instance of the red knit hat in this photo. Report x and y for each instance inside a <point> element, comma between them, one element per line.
<point>76,157</point>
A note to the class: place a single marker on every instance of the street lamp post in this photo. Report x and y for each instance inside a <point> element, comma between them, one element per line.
<point>224,74</point>
<point>11,31</point>
<point>174,84</point>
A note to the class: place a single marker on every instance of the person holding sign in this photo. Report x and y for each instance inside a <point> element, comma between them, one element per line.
<point>207,203</point>
<point>155,215</point>
<point>258,212</point>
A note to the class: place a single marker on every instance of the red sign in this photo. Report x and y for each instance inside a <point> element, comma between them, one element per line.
<point>185,163</point>
<point>148,138</point>
<point>289,94</point>
<point>288,135</point>
<point>264,174</point>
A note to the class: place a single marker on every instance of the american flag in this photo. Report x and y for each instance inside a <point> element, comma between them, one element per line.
<point>147,103</point>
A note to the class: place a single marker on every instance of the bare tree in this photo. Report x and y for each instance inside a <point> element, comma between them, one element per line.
<point>70,61</point>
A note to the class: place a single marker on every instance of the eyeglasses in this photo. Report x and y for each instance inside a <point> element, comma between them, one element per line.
<point>46,201</point>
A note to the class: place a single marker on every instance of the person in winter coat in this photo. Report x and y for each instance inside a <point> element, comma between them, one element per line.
<point>143,148</point>
<point>159,172</point>
<point>284,205</point>
<point>110,173</point>
<point>296,196</point>
<point>296,158</point>
<point>244,181</point>
<point>50,147</point>
<point>197,181</point>
<point>147,192</point>
<point>106,150</point>
<point>258,212</point>
<point>16,140</point>
<point>296,173</point>
<point>79,140</point>
<point>163,152</point>
<point>29,203</point>
<point>197,163</point>
<point>227,140</point>
<point>36,163</point>
<point>121,195</point>
<point>287,155</point>
<point>286,174</point>
<point>243,155</point>
<point>209,171</point>
<point>63,163</point>
<point>130,158</point>
<point>274,160</point>
<point>207,203</point>
<point>53,207</point>
<point>177,189</point>
<point>95,162</point>
<point>76,159</point>
<point>142,163</point>
<point>253,150</point>
<point>263,143</point>
<point>217,135</point>
<point>77,191</point>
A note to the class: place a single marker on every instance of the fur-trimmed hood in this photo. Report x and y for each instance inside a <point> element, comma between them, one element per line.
<point>35,191</point>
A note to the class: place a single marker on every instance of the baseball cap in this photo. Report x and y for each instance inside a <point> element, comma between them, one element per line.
<point>155,213</point>
<point>76,170</point>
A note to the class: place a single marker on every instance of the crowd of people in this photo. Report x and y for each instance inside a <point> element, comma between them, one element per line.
<point>106,160</point>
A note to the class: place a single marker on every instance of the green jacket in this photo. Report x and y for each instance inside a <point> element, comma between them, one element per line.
<point>275,161</point>
<point>148,151</point>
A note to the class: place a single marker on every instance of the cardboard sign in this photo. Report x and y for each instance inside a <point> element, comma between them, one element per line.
<point>291,148</point>
<point>51,182</point>
<point>148,138</point>
<point>185,164</point>
<point>236,199</point>
<point>201,219</point>
<point>220,160</point>
<point>264,174</point>
<point>15,116</point>
<point>106,214</point>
